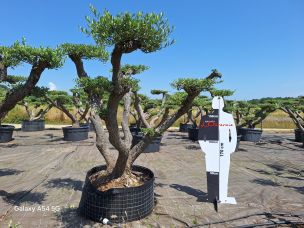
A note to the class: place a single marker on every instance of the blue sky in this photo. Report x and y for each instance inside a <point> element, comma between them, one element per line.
<point>257,45</point>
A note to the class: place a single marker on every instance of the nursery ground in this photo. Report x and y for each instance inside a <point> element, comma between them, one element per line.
<point>42,172</point>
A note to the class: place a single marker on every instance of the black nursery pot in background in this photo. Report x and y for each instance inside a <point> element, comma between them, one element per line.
<point>134,130</point>
<point>249,134</point>
<point>154,146</point>
<point>184,127</point>
<point>89,125</point>
<point>193,133</point>
<point>6,133</point>
<point>118,204</point>
<point>33,125</point>
<point>299,136</point>
<point>75,133</point>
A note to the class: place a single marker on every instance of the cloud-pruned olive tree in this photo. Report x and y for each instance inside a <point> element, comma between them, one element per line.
<point>293,107</point>
<point>76,106</point>
<point>39,59</point>
<point>35,104</point>
<point>251,113</point>
<point>123,34</point>
<point>148,111</point>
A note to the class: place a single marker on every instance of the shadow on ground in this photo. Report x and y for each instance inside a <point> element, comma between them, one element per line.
<point>20,197</point>
<point>71,218</point>
<point>7,172</point>
<point>65,183</point>
<point>200,195</point>
<point>264,182</point>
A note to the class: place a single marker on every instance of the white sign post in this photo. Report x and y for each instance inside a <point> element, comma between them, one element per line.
<point>217,138</point>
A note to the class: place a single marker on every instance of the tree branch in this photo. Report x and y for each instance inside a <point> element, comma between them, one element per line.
<point>125,119</point>
<point>16,95</point>
<point>102,142</point>
<point>139,148</point>
<point>139,110</point>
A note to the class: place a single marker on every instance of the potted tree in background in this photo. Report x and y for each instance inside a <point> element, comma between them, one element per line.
<point>294,107</point>
<point>150,113</point>
<point>17,88</point>
<point>250,114</point>
<point>36,108</point>
<point>107,187</point>
<point>203,104</point>
<point>67,104</point>
<point>148,105</point>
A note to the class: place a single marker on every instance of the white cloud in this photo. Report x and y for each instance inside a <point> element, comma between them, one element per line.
<point>52,86</point>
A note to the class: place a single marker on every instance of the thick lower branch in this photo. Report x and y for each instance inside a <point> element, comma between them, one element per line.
<point>140,112</point>
<point>16,95</point>
<point>125,120</point>
<point>102,141</point>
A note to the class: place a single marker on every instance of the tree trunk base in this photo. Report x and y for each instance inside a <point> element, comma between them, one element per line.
<point>104,180</point>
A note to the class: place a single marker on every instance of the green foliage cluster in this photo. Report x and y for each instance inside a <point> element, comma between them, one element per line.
<point>61,97</point>
<point>149,131</point>
<point>202,101</point>
<point>194,85</point>
<point>99,85</point>
<point>221,92</point>
<point>18,52</point>
<point>129,70</point>
<point>176,99</point>
<point>158,92</point>
<point>85,51</point>
<point>37,96</point>
<point>150,32</point>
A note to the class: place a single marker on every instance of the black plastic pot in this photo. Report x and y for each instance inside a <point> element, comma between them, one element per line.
<point>193,134</point>
<point>134,130</point>
<point>251,135</point>
<point>238,142</point>
<point>89,125</point>
<point>299,137</point>
<point>154,146</point>
<point>118,204</point>
<point>184,127</point>
<point>33,125</point>
<point>75,133</point>
<point>6,133</point>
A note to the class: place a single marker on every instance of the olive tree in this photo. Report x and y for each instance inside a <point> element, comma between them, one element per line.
<point>150,110</point>
<point>293,107</point>
<point>35,104</point>
<point>12,56</point>
<point>123,34</point>
<point>75,106</point>
<point>251,113</point>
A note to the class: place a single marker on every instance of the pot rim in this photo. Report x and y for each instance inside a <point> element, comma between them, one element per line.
<point>75,128</point>
<point>118,190</point>
<point>33,120</point>
<point>7,126</point>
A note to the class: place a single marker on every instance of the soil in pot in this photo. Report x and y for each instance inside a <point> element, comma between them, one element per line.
<point>120,203</point>
<point>33,125</point>
<point>183,127</point>
<point>75,133</point>
<point>193,134</point>
<point>6,133</point>
<point>154,146</point>
<point>299,137</point>
<point>250,134</point>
